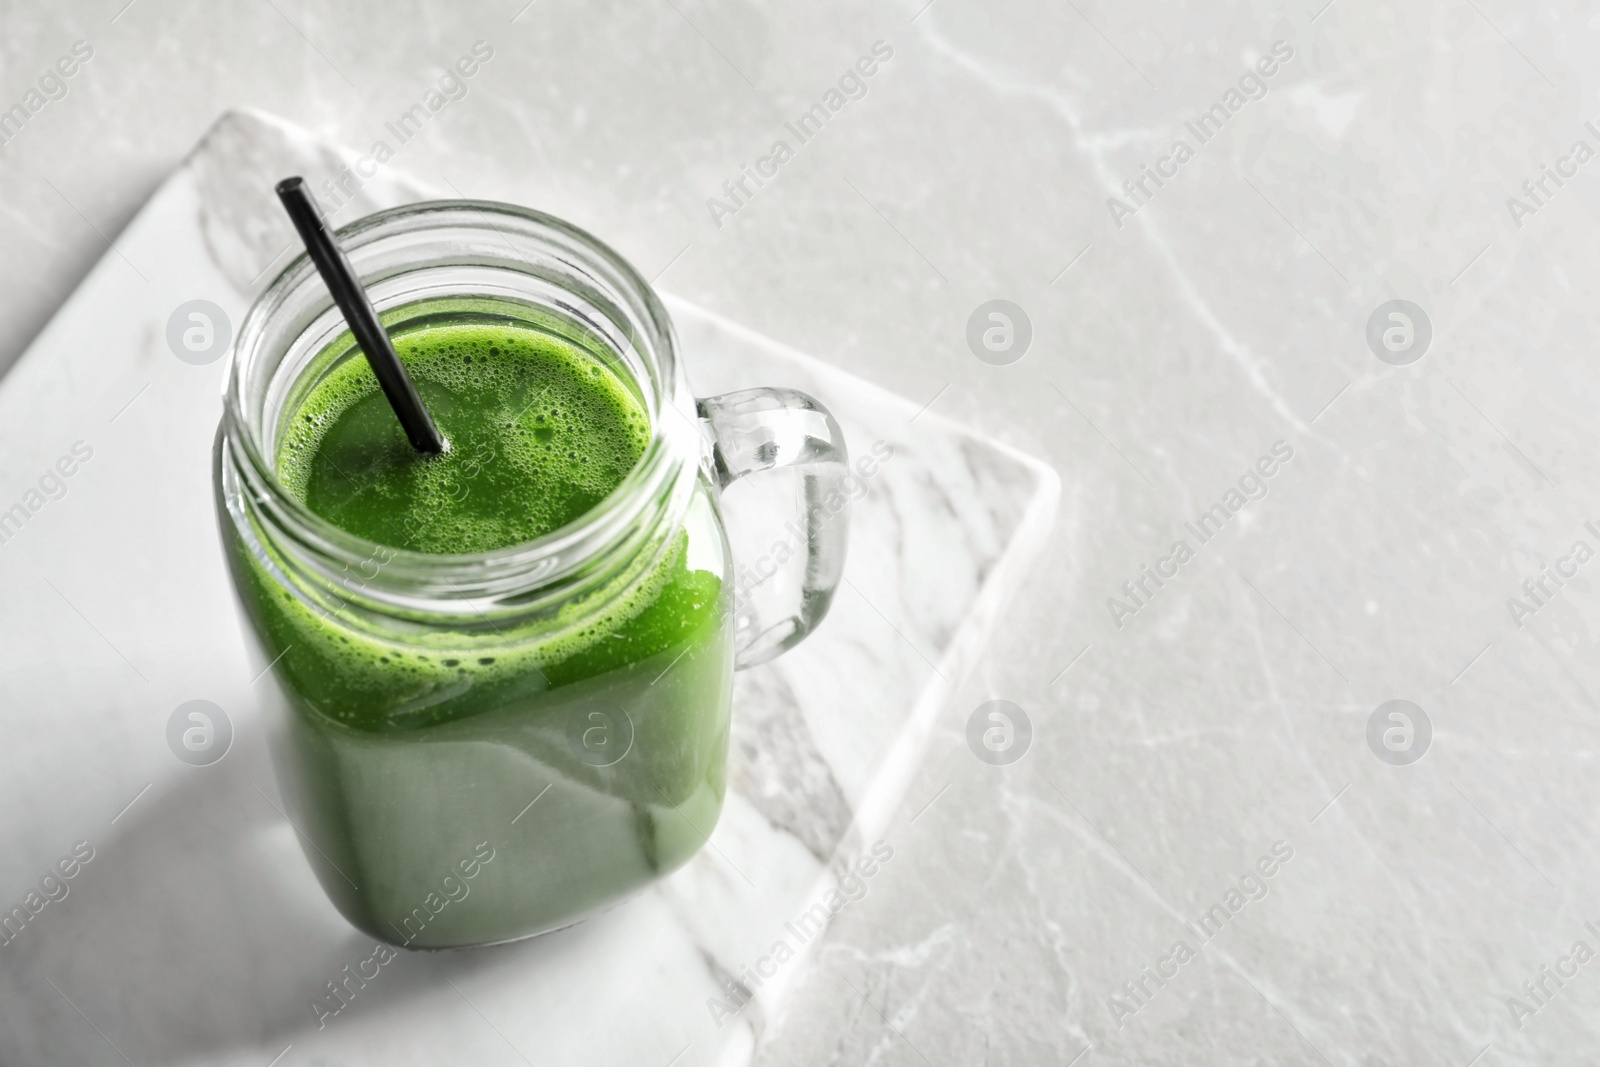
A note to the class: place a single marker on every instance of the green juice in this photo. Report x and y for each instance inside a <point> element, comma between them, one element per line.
<point>415,749</point>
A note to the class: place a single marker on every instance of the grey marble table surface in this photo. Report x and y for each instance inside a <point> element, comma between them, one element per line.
<point>1307,295</point>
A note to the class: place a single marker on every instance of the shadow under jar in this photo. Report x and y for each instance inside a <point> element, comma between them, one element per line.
<point>481,747</point>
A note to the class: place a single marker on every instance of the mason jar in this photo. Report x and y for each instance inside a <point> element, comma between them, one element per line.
<point>482,747</point>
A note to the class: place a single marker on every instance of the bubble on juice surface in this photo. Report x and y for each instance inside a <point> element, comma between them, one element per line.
<point>567,425</point>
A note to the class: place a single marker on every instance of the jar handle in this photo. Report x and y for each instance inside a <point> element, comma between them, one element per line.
<point>782,597</point>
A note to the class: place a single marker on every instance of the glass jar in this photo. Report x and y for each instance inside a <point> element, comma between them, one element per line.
<point>477,748</point>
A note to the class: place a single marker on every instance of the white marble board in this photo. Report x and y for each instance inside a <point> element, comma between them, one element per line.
<point>196,933</point>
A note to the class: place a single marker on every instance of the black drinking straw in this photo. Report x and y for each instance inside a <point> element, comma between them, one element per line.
<point>363,321</point>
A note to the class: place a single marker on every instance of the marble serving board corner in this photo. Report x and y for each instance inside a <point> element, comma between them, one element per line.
<point>197,934</point>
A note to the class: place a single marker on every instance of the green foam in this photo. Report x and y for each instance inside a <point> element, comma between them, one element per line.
<point>539,433</point>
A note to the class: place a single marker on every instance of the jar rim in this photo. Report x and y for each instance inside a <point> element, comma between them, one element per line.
<point>510,569</point>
